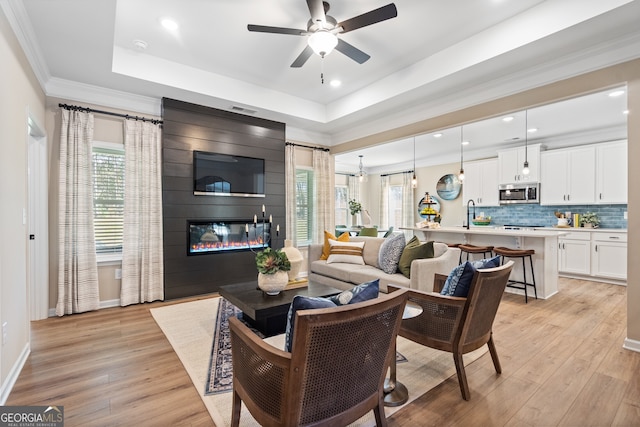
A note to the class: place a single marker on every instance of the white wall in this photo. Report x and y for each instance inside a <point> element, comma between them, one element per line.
<point>20,96</point>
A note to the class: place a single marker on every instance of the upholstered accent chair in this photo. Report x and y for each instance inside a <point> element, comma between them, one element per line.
<point>458,325</point>
<point>334,374</point>
<point>368,231</point>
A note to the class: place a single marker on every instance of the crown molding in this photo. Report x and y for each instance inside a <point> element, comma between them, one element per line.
<point>82,92</point>
<point>21,25</point>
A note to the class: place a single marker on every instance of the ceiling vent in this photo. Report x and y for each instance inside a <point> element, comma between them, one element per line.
<point>242,110</point>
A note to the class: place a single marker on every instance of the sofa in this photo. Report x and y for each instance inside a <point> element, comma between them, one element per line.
<point>344,276</point>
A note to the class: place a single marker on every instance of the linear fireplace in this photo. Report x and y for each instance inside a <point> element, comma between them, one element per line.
<point>211,236</point>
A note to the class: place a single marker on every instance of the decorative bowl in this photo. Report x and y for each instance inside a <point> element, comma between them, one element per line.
<point>478,221</point>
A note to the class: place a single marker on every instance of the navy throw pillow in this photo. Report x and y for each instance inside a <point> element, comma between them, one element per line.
<point>459,280</point>
<point>362,292</point>
<point>301,302</point>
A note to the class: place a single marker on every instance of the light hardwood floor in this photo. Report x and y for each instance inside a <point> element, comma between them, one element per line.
<point>562,359</point>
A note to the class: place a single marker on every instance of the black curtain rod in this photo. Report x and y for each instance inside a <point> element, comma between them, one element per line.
<point>396,173</point>
<point>307,146</point>
<point>108,113</point>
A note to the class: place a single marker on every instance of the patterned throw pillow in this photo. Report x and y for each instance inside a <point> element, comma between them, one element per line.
<point>346,252</point>
<point>459,280</point>
<point>390,252</point>
<point>301,302</point>
<point>344,237</point>
<point>362,292</point>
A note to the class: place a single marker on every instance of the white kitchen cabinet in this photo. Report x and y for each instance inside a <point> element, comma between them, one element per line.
<point>574,253</point>
<point>481,182</point>
<point>611,173</point>
<point>566,176</point>
<point>511,162</point>
<point>609,255</point>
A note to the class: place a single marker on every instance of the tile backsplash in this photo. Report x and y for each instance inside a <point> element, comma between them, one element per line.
<point>611,216</point>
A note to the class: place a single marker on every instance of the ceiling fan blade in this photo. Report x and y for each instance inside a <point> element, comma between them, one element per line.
<point>302,58</point>
<point>381,14</point>
<point>275,30</point>
<point>352,51</point>
<point>316,9</point>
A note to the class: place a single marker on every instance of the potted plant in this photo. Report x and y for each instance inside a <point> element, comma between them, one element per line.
<point>354,208</point>
<point>272,265</point>
<point>590,220</point>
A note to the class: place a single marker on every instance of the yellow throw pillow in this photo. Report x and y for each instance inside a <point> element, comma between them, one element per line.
<point>344,237</point>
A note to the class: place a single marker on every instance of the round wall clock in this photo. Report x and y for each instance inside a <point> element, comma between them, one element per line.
<point>448,187</point>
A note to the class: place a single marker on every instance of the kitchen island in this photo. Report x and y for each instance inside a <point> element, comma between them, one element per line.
<point>543,241</point>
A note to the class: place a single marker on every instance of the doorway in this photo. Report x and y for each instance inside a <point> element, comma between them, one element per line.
<point>37,217</point>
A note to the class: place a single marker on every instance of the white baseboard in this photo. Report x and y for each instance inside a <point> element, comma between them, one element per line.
<point>632,345</point>
<point>11,379</point>
<point>103,304</point>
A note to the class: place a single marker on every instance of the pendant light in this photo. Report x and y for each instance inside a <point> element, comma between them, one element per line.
<point>461,174</point>
<point>361,173</point>
<point>525,169</point>
<point>414,180</point>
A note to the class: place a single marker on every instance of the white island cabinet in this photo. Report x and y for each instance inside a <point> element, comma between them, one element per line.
<point>543,241</point>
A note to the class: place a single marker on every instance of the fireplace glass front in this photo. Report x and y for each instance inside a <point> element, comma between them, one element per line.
<point>206,237</point>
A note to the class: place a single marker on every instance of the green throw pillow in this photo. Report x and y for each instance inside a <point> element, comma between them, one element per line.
<point>413,250</point>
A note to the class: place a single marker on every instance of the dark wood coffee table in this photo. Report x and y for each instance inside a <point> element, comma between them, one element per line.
<point>268,313</point>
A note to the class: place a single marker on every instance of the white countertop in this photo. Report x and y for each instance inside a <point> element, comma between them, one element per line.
<point>592,230</point>
<point>496,231</point>
<point>531,232</point>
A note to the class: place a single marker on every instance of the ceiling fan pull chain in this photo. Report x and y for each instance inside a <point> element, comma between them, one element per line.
<point>322,70</point>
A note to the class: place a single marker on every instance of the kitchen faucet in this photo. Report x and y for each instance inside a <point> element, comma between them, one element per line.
<point>474,211</point>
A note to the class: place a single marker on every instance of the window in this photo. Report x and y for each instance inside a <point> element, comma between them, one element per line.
<point>395,206</point>
<point>342,204</point>
<point>108,196</point>
<point>304,206</point>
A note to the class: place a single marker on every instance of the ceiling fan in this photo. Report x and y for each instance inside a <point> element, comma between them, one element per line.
<point>323,29</point>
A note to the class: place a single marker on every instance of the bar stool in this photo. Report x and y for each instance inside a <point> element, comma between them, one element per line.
<point>473,249</point>
<point>522,254</point>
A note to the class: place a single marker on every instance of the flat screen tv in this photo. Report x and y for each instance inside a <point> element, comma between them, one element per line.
<point>216,174</point>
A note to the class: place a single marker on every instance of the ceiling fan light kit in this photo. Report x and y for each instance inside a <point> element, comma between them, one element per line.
<point>322,42</point>
<point>323,30</point>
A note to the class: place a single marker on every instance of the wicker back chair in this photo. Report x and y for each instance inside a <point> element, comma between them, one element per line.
<point>334,374</point>
<point>456,324</point>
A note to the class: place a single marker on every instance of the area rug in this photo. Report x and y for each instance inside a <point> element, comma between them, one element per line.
<point>189,327</point>
<point>220,372</point>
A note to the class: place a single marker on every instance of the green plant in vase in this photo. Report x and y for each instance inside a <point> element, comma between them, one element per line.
<point>272,265</point>
<point>270,261</point>
<point>590,220</point>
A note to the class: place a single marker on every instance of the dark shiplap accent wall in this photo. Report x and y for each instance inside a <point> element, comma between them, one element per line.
<point>188,127</point>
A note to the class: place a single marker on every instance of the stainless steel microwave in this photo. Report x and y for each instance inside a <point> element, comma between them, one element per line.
<point>519,193</point>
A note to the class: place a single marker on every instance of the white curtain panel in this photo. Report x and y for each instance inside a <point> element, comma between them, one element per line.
<point>407,203</point>
<point>77,266</point>
<point>142,253</point>
<point>353,183</point>
<point>323,194</point>
<point>290,190</point>
<point>384,201</point>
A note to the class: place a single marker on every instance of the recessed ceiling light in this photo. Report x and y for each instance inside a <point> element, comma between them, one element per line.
<point>532,130</point>
<point>437,135</point>
<point>625,112</point>
<point>335,83</point>
<point>507,119</point>
<point>465,142</point>
<point>616,93</point>
<point>169,24</point>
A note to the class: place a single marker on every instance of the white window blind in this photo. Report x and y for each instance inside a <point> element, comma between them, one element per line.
<point>108,197</point>
<point>304,205</point>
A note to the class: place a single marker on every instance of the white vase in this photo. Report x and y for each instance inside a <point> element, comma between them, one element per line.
<point>273,284</point>
<point>354,220</point>
<point>295,258</point>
